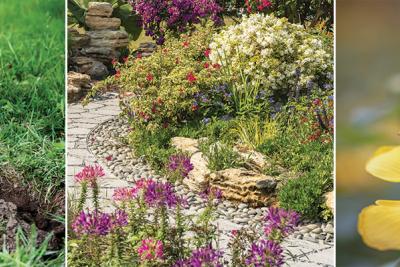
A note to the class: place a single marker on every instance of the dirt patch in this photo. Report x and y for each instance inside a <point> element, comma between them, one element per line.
<point>21,207</point>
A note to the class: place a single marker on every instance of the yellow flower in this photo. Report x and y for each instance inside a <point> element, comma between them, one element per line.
<point>379,224</point>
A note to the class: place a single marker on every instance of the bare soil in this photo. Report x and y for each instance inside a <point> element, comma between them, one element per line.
<point>21,207</point>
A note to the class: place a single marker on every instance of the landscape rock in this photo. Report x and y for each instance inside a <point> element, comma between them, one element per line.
<point>185,144</point>
<point>92,51</point>
<point>102,23</point>
<point>101,9</point>
<point>197,178</point>
<point>241,185</point>
<point>77,39</point>
<point>254,159</point>
<point>78,85</point>
<point>108,38</point>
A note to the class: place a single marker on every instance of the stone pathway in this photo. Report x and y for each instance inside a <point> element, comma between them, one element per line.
<point>83,145</point>
<point>82,120</point>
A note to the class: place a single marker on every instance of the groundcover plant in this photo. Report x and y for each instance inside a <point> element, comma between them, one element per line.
<point>234,116</point>
<point>31,133</point>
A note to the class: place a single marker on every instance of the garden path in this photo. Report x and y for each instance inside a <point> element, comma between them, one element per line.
<point>83,120</point>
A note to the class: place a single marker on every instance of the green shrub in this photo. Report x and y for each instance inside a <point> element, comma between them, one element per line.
<point>153,145</point>
<point>304,195</point>
<point>165,84</point>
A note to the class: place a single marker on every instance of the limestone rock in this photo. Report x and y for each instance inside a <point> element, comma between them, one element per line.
<point>95,69</point>
<point>77,39</point>
<point>245,186</point>
<point>101,9</point>
<point>330,201</point>
<point>197,178</point>
<point>102,23</point>
<point>254,159</point>
<point>108,38</point>
<point>185,144</point>
<point>78,84</point>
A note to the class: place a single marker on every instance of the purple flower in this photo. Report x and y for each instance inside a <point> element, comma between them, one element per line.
<point>119,218</point>
<point>279,223</point>
<point>177,15</point>
<point>206,121</point>
<point>96,223</point>
<point>265,253</point>
<point>159,194</point>
<point>181,164</point>
<point>202,257</point>
<point>211,193</point>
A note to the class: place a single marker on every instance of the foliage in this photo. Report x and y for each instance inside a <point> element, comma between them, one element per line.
<point>160,16</point>
<point>305,145</point>
<point>220,156</point>
<point>253,132</point>
<point>149,228</point>
<point>268,52</point>
<point>304,195</point>
<point>165,84</point>
<point>29,253</point>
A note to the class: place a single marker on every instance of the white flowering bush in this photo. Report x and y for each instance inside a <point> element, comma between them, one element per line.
<point>273,53</point>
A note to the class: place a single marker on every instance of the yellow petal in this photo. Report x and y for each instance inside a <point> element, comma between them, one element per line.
<point>379,225</point>
<point>386,164</point>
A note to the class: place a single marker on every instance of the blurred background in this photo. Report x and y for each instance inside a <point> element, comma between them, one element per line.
<point>368,115</point>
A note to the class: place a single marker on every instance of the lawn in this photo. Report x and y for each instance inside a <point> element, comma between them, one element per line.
<point>32,109</point>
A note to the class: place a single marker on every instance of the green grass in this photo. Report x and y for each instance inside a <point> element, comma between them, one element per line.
<point>32,92</point>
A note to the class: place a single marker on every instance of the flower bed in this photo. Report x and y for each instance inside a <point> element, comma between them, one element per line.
<point>150,228</point>
<point>255,88</point>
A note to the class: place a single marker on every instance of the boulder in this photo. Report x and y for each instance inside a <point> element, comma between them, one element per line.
<point>245,186</point>
<point>187,145</point>
<point>77,39</point>
<point>101,9</point>
<point>102,23</point>
<point>108,38</point>
<point>197,178</point>
<point>78,85</point>
<point>254,159</point>
<point>94,68</point>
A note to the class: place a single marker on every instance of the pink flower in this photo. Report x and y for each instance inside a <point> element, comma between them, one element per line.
<point>206,65</point>
<point>114,62</point>
<point>207,52</point>
<point>191,78</point>
<point>117,74</point>
<point>139,56</point>
<point>125,194</point>
<point>89,174</point>
<point>149,77</point>
<point>151,250</point>
<point>185,44</point>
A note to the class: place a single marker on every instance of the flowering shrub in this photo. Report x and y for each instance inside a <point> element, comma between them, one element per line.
<point>272,53</point>
<point>179,166</point>
<point>158,16</point>
<point>149,228</point>
<point>166,84</point>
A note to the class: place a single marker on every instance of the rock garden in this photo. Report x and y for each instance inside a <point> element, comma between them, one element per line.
<point>224,140</point>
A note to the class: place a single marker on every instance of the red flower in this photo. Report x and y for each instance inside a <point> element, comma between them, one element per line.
<point>108,158</point>
<point>206,65</point>
<point>114,62</point>
<point>216,66</point>
<point>139,56</point>
<point>117,74</point>
<point>195,107</point>
<point>191,78</point>
<point>149,77</point>
<point>125,59</point>
<point>159,101</point>
<point>185,44</point>
<point>207,52</point>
